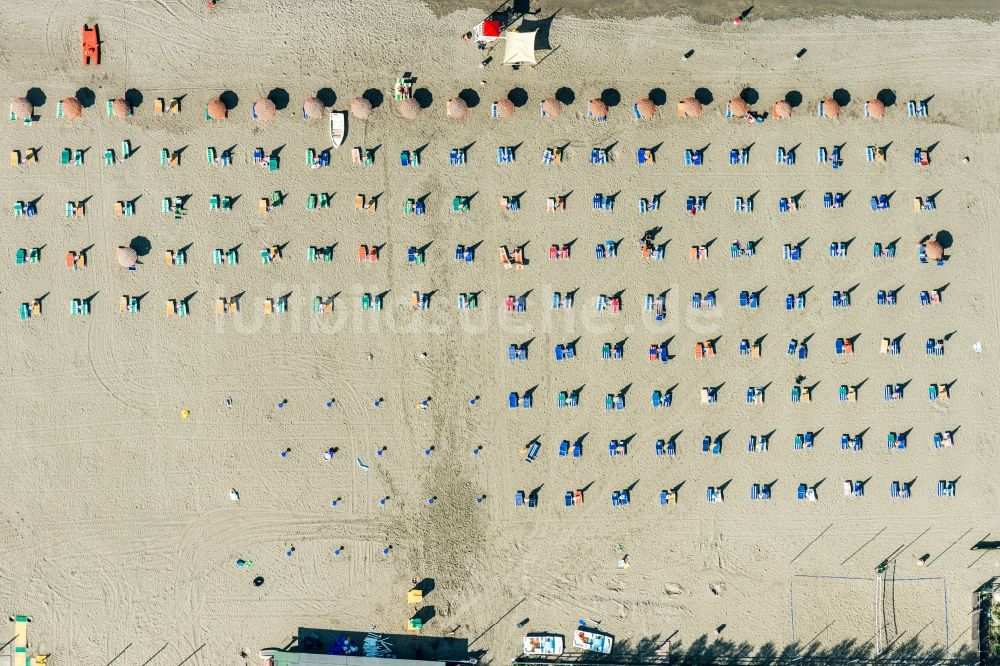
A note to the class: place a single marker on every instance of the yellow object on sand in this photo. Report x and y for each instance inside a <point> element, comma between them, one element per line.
<point>415,596</point>
<point>185,413</point>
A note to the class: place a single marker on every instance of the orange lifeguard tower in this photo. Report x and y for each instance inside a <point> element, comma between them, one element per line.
<point>91,45</point>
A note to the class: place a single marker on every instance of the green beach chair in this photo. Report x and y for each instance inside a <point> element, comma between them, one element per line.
<point>231,258</point>
<point>111,104</point>
<point>129,208</point>
<point>164,156</point>
<point>166,204</point>
<point>180,258</point>
<point>126,149</point>
<point>324,200</point>
<point>70,208</point>
<point>182,309</point>
<point>265,256</point>
<point>281,305</point>
<point>366,302</point>
<point>18,208</point>
<point>227,203</point>
<point>275,198</point>
<point>310,254</point>
<point>217,257</point>
<point>317,304</point>
<point>25,311</point>
<point>35,255</point>
<point>408,206</point>
<point>210,154</point>
<point>213,202</point>
<point>21,256</point>
<point>65,156</point>
<point>272,163</point>
<point>109,157</point>
<point>311,201</point>
<point>328,254</point>
<point>310,156</point>
<point>59,111</point>
<point>78,157</point>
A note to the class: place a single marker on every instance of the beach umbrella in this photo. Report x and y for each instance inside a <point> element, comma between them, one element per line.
<point>830,108</point>
<point>738,107</point>
<point>552,107</point>
<point>263,110</point>
<point>782,109</point>
<point>119,108</point>
<point>505,108</point>
<point>72,108</point>
<point>126,257</point>
<point>313,108</point>
<point>876,109</point>
<point>360,108</point>
<point>409,109</point>
<point>692,107</point>
<point>217,109</point>
<point>598,109</point>
<point>934,250</point>
<point>520,48</point>
<point>21,107</point>
<point>645,107</point>
<point>457,108</point>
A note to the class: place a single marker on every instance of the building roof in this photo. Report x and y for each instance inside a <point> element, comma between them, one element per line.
<point>281,658</point>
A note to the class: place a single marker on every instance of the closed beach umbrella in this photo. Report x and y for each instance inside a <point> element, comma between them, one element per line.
<point>830,108</point>
<point>126,257</point>
<point>263,110</point>
<point>457,108</point>
<point>876,109</point>
<point>361,108</point>
<point>598,109</point>
<point>782,109</point>
<point>21,107</point>
<point>692,107</point>
<point>738,107</point>
<point>313,108</point>
<point>934,250</point>
<point>505,108</point>
<point>217,109</point>
<point>409,109</point>
<point>552,107</point>
<point>72,108</point>
<point>645,107</point>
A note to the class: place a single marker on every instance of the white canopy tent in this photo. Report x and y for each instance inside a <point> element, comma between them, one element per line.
<point>520,48</point>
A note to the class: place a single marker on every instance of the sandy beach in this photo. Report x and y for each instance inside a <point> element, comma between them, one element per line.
<point>121,537</point>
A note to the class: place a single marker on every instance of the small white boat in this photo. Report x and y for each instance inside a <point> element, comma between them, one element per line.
<point>592,641</point>
<point>543,644</point>
<point>338,127</point>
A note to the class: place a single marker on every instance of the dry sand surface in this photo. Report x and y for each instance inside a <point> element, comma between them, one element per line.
<point>120,533</point>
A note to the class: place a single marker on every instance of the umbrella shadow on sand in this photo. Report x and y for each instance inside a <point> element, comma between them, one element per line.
<point>141,245</point>
<point>542,28</point>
